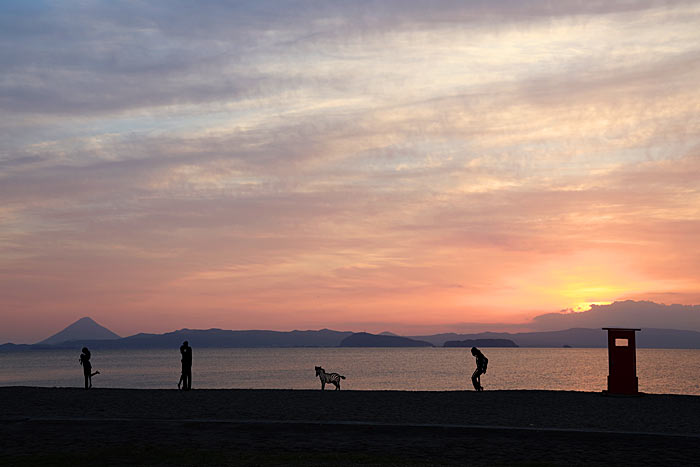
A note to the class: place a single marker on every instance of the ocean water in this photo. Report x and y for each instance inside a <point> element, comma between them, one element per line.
<point>670,371</point>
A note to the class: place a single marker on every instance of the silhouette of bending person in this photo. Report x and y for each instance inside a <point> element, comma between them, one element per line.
<point>87,367</point>
<point>481,364</point>
<point>186,376</point>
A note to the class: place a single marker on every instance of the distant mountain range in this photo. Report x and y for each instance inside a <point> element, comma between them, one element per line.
<point>364,339</point>
<point>481,343</point>
<point>86,332</point>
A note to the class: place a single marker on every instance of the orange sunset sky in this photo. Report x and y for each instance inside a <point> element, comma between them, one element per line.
<point>396,165</point>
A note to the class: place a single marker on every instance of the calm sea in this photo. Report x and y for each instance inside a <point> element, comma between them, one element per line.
<point>431,369</point>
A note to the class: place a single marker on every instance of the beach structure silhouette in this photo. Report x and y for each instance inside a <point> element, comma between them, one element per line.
<point>186,375</point>
<point>481,364</point>
<point>622,361</point>
<point>87,367</point>
<point>332,378</point>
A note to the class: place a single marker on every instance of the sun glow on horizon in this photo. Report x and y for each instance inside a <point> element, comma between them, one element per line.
<point>414,164</point>
<point>585,306</point>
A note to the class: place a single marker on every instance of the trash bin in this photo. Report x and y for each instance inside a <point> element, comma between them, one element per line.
<point>622,357</point>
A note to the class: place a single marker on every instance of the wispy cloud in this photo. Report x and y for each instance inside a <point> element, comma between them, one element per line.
<point>325,163</point>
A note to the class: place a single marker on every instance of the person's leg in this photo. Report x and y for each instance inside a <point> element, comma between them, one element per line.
<point>87,377</point>
<point>187,383</point>
<point>475,379</point>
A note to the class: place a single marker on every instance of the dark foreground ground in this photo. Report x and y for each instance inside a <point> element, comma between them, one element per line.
<point>44,426</point>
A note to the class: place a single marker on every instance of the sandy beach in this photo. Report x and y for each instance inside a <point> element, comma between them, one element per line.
<point>70,426</point>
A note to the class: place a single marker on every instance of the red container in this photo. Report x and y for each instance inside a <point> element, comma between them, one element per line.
<point>622,356</point>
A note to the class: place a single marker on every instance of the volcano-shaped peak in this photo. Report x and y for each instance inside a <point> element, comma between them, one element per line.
<point>85,328</point>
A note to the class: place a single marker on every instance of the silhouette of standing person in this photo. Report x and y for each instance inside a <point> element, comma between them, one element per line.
<point>481,364</point>
<point>87,367</point>
<point>186,377</point>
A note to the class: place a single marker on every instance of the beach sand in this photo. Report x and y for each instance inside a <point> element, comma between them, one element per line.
<point>67,426</point>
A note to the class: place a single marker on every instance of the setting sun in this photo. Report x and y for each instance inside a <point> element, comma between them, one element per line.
<point>403,167</point>
<point>443,211</point>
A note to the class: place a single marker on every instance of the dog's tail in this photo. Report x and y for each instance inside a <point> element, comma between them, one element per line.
<point>341,376</point>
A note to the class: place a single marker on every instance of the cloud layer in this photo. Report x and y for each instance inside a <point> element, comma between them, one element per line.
<point>309,164</point>
<point>627,314</point>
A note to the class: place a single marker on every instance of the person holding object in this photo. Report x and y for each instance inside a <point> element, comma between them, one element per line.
<point>481,364</point>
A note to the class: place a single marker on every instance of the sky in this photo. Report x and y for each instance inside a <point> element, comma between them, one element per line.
<point>370,165</point>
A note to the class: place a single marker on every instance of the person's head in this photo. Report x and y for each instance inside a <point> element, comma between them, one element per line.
<point>475,351</point>
<point>85,350</point>
<point>185,344</point>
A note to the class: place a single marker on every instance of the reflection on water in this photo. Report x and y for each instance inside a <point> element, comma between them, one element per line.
<point>433,369</point>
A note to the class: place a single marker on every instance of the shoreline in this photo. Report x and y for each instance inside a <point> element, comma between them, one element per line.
<point>347,427</point>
